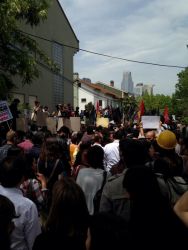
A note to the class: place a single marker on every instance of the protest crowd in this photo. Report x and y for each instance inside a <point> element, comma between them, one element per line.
<point>88,180</point>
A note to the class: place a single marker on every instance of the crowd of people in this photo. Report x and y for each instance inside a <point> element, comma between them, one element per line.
<point>50,183</point>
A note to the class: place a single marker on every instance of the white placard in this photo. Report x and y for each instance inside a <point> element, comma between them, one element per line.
<point>75,124</point>
<point>51,123</point>
<point>63,122</point>
<point>150,122</point>
<point>22,124</point>
<point>41,118</point>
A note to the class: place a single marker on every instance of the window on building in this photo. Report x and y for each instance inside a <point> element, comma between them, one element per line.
<point>100,103</point>
<point>57,54</point>
<point>83,100</point>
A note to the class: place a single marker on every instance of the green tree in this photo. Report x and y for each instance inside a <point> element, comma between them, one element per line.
<point>19,54</point>
<point>155,104</point>
<point>180,98</point>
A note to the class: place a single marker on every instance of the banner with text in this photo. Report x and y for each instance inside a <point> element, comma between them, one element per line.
<point>5,113</point>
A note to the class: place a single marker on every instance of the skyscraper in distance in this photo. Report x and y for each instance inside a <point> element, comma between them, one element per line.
<point>127,84</point>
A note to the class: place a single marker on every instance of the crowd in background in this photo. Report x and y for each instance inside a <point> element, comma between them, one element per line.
<point>120,187</point>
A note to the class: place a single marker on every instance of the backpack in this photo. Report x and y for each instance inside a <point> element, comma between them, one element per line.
<point>97,197</point>
<point>173,187</point>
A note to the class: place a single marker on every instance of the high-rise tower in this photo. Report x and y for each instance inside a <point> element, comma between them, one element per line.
<point>127,84</point>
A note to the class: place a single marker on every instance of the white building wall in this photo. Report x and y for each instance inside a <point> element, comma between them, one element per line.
<point>83,93</point>
<point>87,94</point>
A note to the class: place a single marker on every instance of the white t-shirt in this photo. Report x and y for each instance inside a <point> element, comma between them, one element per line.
<point>90,180</point>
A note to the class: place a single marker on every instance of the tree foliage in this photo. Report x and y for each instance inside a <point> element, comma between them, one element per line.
<point>19,54</point>
<point>155,104</point>
<point>180,98</point>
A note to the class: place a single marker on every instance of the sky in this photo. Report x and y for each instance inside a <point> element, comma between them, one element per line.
<point>144,30</point>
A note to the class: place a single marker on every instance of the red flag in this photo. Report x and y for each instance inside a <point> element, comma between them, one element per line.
<point>166,116</point>
<point>142,108</point>
<point>97,109</point>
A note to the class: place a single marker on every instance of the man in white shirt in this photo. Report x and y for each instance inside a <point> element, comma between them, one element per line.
<point>111,152</point>
<point>27,225</point>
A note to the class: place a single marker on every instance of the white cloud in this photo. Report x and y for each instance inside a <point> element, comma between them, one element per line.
<point>145,30</point>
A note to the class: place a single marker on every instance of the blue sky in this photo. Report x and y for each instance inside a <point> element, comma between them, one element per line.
<point>144,30</point>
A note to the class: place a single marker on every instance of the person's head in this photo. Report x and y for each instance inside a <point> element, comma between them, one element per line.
<point>37,103</point>
<point>38,138</point>
<point>11,136</point>
<point>12,171</point>
<point>68,213</point>
<point>97,138</point>
<point>150,135</point>
<point>81,157</point>
<point>133,152</point>
<point>74,138</point>
<point>16,101</point>
<point>90,130</point>
<point>142,185</point>
<point>51,149</point>
<point>119,134</point>
<point>64,132</point>
<point>95,157</point>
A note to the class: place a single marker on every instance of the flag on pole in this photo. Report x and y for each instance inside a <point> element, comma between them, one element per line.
<point>166,115</point>
<point>97,109</point>
<point>141,110</point>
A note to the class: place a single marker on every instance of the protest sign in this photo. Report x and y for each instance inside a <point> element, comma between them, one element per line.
<point>51,123</point>
<point>63,122</point>
<point>150,122</point>
<point>22,124</point>
<point>75,124</point>
<point>41,118</point>
<point>5,113</point>
<point>104,122</point>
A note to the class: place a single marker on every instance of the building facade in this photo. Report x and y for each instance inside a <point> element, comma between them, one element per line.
<point>51,89</point>
<point>96,93</point>
<point>142,89</point>
<point>127,84</point>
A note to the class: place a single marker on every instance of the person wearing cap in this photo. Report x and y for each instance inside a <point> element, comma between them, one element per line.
<point>167,162</point>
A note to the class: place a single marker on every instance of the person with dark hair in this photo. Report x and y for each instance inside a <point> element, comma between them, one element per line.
<point>7,214</point>
<point>88,135</point>
<point>37,141</point>
<point>68,220</point>
<point>111,151</point>
<point>27,227</point>
<point>91,179</point>
<point>64,139</point>
<point>81,160</point>
<point>53,163</point>
<point>151,215</point>
<point>114,197</point>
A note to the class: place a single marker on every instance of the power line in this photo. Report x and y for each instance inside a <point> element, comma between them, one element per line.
<point>105,55</point>
<point>73,83</point>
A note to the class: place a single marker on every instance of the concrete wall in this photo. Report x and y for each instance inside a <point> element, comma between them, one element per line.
<point>56,29</point>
